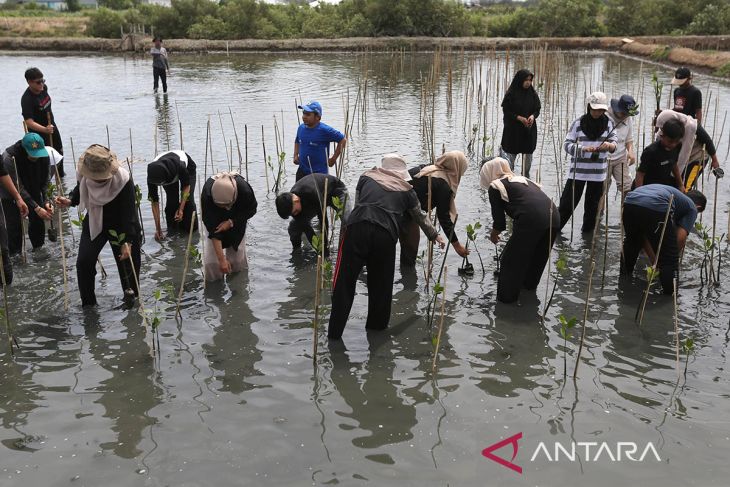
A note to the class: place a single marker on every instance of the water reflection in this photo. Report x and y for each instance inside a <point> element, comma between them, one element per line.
<point>133,389</point>
<point>233,353</point>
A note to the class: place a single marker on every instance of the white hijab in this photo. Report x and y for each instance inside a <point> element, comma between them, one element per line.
<point>95,194</point>
<point>492,173</point>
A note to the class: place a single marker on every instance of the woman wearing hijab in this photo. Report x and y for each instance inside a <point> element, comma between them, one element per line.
<point>226,202</point>
<point>175,172</point>
<point>535,225</point>
<point>590,139</point>
<point>521,106</point>
<point>384,197</point>
<point>105,191</point>
<point>445,176</point>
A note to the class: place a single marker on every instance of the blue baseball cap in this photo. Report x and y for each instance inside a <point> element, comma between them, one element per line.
<point>312,106</point>
<point>34,145</point>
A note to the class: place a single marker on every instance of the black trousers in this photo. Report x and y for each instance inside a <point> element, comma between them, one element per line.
<point>642,224</point>
<point>523,261</point>
<point>89,251</point>
<point>172,197</point>
<point>7,264</point>
<point>569,202</point>
<point>410,238</point>
<point>157,74</point>
<point>370,245</point>
<point>36,227</point>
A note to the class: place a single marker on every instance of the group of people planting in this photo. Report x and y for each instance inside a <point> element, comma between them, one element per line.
<point>390,201</point>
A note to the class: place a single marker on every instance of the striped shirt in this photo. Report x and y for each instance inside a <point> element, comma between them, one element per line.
<point>587,166</point>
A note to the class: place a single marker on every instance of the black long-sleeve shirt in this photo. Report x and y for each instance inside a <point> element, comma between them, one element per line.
<point>528,207</point>
<point>177,169</point>
<point>310,190</point>
<point>213,215</point>
<point>388,209</point>
<point>441,195</point>
<point>120,214</point>
<point>32,178</point>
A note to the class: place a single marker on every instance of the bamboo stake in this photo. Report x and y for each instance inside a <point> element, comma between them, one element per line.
<point>238,145</point>
<point>63,246</point>
<point>139,297</point>
<point>318,279</point>
<point>245,146</point>
<point>549,262</point>
<point>640,311</point>
<point>185,267</point>
<point>139,209</point>
<point>108,139</point>
<point>266,164</point>
<point>205,166</point>
<point>429,266</point>
<point>8,326</point>
<point>202,240</point>
<point>676,322</point>
<point>714,224</point>
<point>441,324</point>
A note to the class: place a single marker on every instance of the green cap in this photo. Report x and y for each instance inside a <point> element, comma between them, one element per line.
<point>34,145</point>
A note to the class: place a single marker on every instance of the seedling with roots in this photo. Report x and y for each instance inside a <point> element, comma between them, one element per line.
<point>467,268</point>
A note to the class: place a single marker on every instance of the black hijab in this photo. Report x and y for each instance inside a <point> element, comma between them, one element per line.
<point>519,79</point>
<point>593,127</point>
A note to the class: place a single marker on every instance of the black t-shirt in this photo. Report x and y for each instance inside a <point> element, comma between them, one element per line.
<point>177,170</point>
<point>687,100</point>
<point>37,106</point>
<point>657,164</point>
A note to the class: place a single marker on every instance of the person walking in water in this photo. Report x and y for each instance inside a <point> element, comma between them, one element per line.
<point>160,65</point>
<point>521,107</point>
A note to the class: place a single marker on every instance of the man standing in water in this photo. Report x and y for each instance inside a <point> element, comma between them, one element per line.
<point>312,143</point>
<point>160,66</point>
<point>37,111</point>
<point>687,97</point>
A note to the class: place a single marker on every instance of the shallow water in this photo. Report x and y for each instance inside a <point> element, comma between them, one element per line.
<point>233,398</point>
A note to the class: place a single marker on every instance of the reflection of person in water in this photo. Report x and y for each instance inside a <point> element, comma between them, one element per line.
<point>370,391</point>
<point>233,353</point>
<point>517,357</point>
<point>129,394</point>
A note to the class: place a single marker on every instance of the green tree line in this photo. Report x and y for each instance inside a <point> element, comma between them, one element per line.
<point>240,19</point>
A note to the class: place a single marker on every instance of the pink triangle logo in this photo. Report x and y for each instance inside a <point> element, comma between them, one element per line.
<point>487,452</point>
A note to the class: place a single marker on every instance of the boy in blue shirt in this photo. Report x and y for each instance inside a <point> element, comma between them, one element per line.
<point>311,146</point>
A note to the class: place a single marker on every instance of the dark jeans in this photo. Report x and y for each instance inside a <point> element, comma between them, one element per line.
<point>157,74</point>
<point>523,261</point>
<point>172,194</point>
<point>569,201</point>
<point>36,228</point>
<point>89,251</point>
<point>370,245</point>
<point>642,224</point>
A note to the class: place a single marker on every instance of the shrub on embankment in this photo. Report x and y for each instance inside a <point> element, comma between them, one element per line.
<point>242,19</point>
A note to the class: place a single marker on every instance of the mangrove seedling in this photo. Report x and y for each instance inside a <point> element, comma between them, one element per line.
<point>688,348</point>
<point>565,326</point>
<point>708,246</point>
<point>471,234</point>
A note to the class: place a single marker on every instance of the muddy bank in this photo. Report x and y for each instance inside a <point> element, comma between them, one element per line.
<point>711,53</point>
<point>717,62</point>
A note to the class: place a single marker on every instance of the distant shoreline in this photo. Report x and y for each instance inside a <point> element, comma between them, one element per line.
<point>710,53</point>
